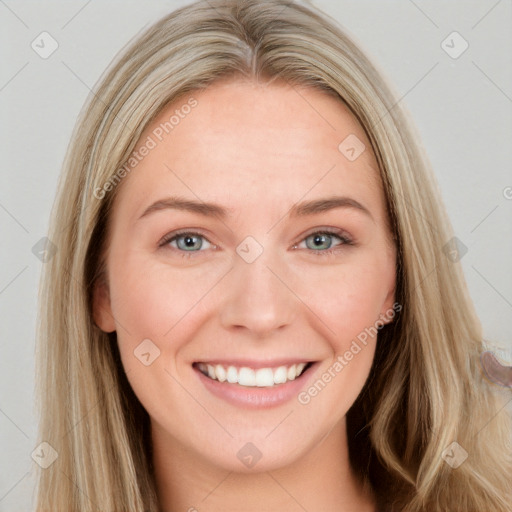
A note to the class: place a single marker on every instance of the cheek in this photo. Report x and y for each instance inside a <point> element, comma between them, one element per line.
<point>149,299</point>
<point>349,306</point>
<point>140,302</point>
<point>348,298</point>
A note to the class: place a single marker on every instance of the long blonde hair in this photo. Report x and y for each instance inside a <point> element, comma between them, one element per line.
<point>425,390</point>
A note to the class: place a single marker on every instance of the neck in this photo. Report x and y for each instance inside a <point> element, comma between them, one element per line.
<point>321,480</point>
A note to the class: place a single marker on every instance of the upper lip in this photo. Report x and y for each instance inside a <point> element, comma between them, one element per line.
<point>253,363</point>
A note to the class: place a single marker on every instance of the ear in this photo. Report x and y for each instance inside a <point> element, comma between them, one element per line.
<point>390,307</point>
<point>101,307</point>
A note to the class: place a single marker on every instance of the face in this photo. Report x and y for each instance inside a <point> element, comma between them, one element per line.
<point>247,244</point>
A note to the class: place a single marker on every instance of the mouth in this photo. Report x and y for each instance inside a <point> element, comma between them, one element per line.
<point>251,377</point>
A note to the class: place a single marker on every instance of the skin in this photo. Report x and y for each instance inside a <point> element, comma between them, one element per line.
<point>257,150</point>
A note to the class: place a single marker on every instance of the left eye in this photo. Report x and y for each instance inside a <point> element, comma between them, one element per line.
<point>322,240</point>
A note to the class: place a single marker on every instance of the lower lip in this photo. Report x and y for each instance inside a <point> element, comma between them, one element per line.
<point>255,397</point>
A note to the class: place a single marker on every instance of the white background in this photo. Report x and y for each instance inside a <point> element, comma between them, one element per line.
<point>462,108</point>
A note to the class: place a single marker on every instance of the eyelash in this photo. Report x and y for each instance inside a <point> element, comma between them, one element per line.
<point>341,235</point>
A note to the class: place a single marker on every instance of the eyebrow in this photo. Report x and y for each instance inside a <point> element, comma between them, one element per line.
<point>303,209</point>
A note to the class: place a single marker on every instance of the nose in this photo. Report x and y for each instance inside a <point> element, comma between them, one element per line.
<point>258,298</point>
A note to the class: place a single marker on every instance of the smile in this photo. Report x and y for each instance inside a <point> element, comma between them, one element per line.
<point>253,377</point>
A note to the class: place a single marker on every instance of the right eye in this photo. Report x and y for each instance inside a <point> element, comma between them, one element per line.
<point>185,241</point>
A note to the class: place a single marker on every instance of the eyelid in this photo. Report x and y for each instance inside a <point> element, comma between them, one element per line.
<point>169,237</point>
<point>340,233</point>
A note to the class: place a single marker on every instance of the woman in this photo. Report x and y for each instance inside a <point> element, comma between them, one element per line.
<point>201,349</point>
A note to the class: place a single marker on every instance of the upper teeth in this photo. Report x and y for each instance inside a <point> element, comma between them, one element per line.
<point>262,377</point>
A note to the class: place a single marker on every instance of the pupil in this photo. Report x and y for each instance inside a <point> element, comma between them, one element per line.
<point>189,241</point>
<point>319,239</point>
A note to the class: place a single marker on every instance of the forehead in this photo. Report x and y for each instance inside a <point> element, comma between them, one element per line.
<point>239,143</point>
